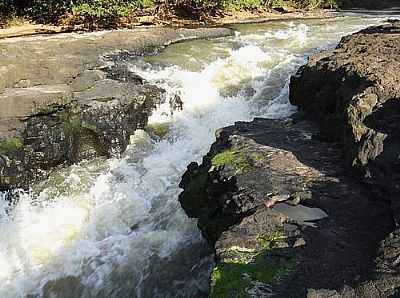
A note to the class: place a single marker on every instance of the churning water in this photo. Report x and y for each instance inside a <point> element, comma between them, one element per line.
<point>114,228</point>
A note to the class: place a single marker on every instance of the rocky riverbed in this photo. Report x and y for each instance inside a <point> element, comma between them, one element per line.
<point>308,206</point>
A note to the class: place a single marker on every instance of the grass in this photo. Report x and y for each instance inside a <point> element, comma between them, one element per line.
<point>234,277</point>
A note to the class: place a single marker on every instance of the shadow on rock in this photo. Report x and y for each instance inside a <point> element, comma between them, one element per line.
<point>281,178</point>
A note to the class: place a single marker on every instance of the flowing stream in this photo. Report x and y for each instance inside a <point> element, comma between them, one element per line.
<point>114,228</point>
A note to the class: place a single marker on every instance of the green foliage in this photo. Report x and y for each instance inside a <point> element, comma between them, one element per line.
<point>103,8</point>
<point>277,3</point>
<point>5,6</point>
<point>313,4</point>
<point>44,10</point>
<point>243,4</point>
<point>52,10</point>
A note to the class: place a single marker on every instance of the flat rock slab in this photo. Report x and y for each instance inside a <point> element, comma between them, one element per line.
<point>42,69</point>
<point>301,214</point>
<point>23,102</point>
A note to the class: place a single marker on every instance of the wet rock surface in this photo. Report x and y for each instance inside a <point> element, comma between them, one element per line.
<point>313,198</point>
<point>71,97</point>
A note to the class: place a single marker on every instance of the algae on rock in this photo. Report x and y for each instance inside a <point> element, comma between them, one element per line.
<point>248,268</point>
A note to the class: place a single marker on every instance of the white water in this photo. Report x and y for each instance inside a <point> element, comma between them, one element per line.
<point>114,228</point>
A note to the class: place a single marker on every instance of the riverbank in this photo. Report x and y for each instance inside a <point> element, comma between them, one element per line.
<point>24,28</point>
<point>308,206</point>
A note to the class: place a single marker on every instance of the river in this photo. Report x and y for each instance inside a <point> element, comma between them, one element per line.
<point>114,228</point>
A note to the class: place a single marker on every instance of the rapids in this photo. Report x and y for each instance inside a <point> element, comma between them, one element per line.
<point>114,228</point>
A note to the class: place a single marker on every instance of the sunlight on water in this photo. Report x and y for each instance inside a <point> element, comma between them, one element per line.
<point>114,228</point>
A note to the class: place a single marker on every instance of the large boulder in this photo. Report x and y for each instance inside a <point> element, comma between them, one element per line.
<point>46,126</point>
<point>353,93</point>
<point>285,218</point>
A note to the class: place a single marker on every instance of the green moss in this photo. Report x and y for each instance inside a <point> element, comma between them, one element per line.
<point>11,144</point>
<point>233,279</point>
<point>234,161</point>
<point>227,281</point>
<point>235,276</point>
<point>72,123</point>
<point>269,241</point>
<point>257,157</point>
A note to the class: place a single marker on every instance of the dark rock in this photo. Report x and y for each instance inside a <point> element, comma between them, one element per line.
<point>353,93</point>
<point>97,121</point>
<point>234,208</point>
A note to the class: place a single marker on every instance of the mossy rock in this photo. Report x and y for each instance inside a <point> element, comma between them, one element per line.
<point>236,276</point>
<point>11,145</point>
<point>235,162</point>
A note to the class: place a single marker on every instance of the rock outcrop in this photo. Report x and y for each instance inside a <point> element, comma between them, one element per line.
<point>70,97</point>
<point>306,207</point>
<point>270,191</point>
<point>353,93</point>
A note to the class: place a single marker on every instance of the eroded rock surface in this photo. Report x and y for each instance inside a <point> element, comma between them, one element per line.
<point>70,97</point>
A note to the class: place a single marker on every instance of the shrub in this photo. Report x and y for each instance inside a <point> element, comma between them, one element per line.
<point>103,8</point>
<point>244,4</point>
<point>44,10</point>
<point>51,10</point>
